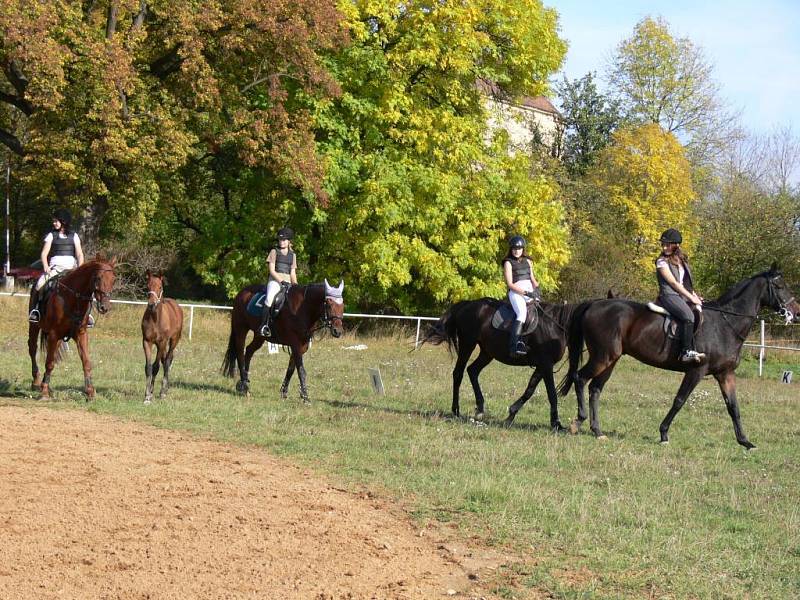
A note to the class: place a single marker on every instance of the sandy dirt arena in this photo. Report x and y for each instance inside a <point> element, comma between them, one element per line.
<point>93,507</point>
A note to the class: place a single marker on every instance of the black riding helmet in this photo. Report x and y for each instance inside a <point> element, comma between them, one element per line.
<point>671,236</point>
<point>285,233</point>
<point>517,242</point>
<point>64,216</point>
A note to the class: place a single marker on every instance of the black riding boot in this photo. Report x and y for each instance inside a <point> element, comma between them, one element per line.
<point>35,312</point>
<point>516,347</point>
<point>688,353</point>
<point>266,320</point>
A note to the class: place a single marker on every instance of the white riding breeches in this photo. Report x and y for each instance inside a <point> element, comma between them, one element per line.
<point>45,277</point>
<point>273,287</point>
<point>518,301</point>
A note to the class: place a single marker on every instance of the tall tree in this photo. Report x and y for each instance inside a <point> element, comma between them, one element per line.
<point>423,197</point>
<point>590,118</point>
<point>664,79</point>
<point>121,98</point>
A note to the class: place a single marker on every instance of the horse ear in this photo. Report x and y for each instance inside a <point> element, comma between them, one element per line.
<point>327,285</point>
<point>147,273</point>
<point>774,268</point>
<point>340,287</point>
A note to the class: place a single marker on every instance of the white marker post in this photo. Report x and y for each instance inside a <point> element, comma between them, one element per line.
<point>377,382</point>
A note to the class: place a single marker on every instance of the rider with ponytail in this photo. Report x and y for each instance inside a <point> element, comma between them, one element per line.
<point>61,252</point>
<point>676,291</point>
<point>518,273</point>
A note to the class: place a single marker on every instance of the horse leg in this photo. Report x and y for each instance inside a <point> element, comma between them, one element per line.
<point>590,370</point>
<point>33,344</point>
<point>82,340</point>
<point>167,365</point>
<point>148,371</point>
<point>727,384</point>
<point>690,381</point>
<point>287,378</point>
<point>536,377</point>
<point>464,353</point>
<point>552,396</point>
<point>301,373</point>
<point>252,347</point>
<point>243,385</point>
<point>161,352</point>
<point>474,371</point>
<point>595,389</point>
<point>49,364</point>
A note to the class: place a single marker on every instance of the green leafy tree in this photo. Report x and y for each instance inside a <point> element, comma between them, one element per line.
<point>589,120</point>
<point>423,196</point>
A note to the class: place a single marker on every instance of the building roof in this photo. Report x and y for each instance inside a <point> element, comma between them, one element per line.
<point>540,103</point>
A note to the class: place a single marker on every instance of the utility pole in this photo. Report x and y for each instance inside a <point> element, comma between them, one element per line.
<point>7,264</point>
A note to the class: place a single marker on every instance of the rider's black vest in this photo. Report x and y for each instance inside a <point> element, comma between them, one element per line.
<point>283,264</point>
<point>62,246</point>
<point>666,289</point>
<point>520,269</point>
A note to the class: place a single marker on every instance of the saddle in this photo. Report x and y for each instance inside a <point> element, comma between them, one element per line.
<point>670,323</point>
<point>257,304</point>
<point>504,316</point>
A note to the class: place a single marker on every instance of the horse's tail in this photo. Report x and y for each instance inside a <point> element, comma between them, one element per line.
<point>446,328</point>
<point>229,362</point>
<point>59,353</point>
<point>574,346</point>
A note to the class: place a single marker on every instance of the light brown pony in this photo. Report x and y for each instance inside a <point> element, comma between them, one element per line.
<point>162,325</point>
<point>66,316</point>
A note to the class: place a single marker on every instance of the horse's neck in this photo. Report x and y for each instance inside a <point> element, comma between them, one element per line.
<point>311,303</point>
<point>748,300</point>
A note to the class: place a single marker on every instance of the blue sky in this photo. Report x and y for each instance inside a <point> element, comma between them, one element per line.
<point>754,47</point>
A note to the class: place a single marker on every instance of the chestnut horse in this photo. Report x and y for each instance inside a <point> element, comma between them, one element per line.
<point>611,328</point>
<point>307,309</point>
<point>162,325</point>
<point>66,316</point>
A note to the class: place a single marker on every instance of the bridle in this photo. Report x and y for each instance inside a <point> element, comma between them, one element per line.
<point>158,298</point>
<point>330,320</point>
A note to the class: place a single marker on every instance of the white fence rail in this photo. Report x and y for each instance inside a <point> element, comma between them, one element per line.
<point>761,344</point>
<point>191,308</point>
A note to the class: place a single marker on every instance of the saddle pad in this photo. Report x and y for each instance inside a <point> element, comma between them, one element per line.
<point>256,305</point>
<point>504,316</point>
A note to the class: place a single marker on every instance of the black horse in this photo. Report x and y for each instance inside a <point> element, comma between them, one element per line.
<point>469,323</point>
<point>611,328</point>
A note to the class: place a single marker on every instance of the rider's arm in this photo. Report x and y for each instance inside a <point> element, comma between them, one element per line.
<point>78,250</point>
<point>48,241</point>
<point>293,270</point>
<point>510,279</point>
<point>271,264</point>
<point>677,286</point>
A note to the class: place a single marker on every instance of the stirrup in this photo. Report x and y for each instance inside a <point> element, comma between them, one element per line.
<point>34,316</point>
<point>692,356</point>
<point>90,322</point>
<point>521,349</point>
<point>265,330</point>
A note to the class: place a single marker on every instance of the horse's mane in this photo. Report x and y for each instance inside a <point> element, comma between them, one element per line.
<point>733,292</point>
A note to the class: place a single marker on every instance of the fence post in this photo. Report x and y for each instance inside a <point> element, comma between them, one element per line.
<point>416,341</point>
<point>191,320</point>
<point>761,351</point>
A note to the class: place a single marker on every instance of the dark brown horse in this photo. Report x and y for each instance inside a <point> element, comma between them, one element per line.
<point>307,309</point>
<point>162,325</point>
<point>469,324</point>
<point>611,328</point>
<point>66,316</point>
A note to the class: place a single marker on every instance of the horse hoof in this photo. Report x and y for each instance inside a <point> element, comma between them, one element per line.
<point>602,437</point>
<point>479,416</point>
<point>558,428</point>
<point>574,428</point>
<point>664,442</point>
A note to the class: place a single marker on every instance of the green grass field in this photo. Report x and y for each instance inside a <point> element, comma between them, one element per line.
<point>625,517</point>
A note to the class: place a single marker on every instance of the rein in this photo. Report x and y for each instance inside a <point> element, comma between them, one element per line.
<point>95,295</point>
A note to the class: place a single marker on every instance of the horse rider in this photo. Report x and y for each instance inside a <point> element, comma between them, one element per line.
<point>676,292</point>
<point>61,252</point>
<point>518,272</point>
<point>282,263</point>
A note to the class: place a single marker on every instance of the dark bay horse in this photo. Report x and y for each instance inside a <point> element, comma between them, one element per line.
<point>307,309</point>
<point>468,324</point>
<point>162,325</point>
<point>66,316</point>
<point>611,328</point>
